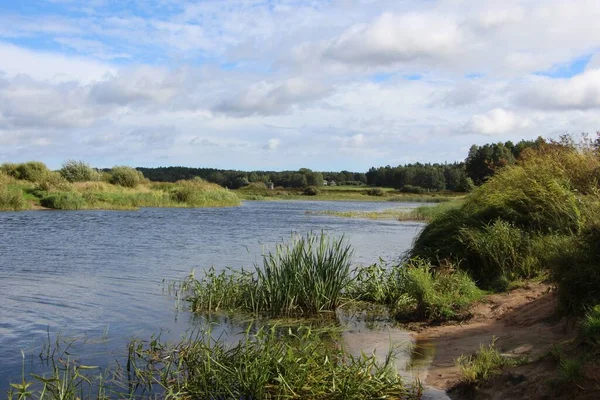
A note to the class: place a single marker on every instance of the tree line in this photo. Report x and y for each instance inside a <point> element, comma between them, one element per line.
<point>480,164</point>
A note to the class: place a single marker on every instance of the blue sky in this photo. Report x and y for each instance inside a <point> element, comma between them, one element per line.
<point>254,84</point>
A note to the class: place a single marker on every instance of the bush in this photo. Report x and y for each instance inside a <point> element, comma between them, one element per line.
<point>125,176</point>
<point>311,191</point>
<point>63,201</point>
<point>53,181</point>
<point>12,199</point>
<point>78,171</point>
<point>33,171</point>
<point>412,189</point>
<point>199,193</point>
<point>376,192</point>
<point>577,272</point>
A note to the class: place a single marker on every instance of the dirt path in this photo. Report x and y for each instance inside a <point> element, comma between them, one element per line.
<point>523,320</point>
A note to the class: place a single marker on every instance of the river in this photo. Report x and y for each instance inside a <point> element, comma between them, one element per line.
<point>101,273</point>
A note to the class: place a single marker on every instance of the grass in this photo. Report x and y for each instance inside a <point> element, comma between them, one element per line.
<point>12,199</point>
<point>307,275</point>
<point>271,363</point>
<point>422,213</point>
<point>342,193</point>
<point>417,291</point>
<point>481,366</point>
<point>590,327</point>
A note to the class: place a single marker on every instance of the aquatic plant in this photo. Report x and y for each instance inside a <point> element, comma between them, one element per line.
<point>306,275</point>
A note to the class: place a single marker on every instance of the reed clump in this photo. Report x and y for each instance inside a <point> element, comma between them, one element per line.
<point>481,366</point>
<point>11,199</point>
<point>307,275</point>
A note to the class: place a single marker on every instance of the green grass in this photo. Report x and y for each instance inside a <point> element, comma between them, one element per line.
<point>590,327</point>
<point>271,363</point>
<point>305,276</point>
<point>12,199</point>
<point>416,290</point>
<point>481,366</point>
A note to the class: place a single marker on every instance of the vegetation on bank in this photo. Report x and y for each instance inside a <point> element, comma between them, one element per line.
<point>77,186</point>
<point>275,362</point>
<point>422,213</point>
<point>481,366</point>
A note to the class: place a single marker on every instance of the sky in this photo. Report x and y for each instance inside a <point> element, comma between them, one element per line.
<point>275,85</point>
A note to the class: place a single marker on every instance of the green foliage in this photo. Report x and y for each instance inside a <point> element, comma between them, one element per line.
<point>33,171</point>
<point>376,192</point>
<point>198,193</point>
<point>125,176</point>
<point>305,276</point>
<point>11,199</point>
<point>571,370</point>
<point>271,364</point>
<point>481,366</point>
<point>417,291</point>
<point>577,272</point>
<point>63,201</point>
<point>412,189</point>
<point>53,181</point>
<point>311,191</point>
<point>78,171</point>
<point>590,327</point>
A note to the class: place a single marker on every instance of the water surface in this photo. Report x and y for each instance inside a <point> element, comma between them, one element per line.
<point>100,273</point>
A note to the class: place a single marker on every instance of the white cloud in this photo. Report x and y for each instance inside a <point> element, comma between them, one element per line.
<point>496,122</point>
<point>273,144</point>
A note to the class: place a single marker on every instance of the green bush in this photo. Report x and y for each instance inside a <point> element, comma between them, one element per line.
<point>199,193</point>
<point>64,201</point>
<point>78,171</point>
<point>412,189</point>
<point>12,199</point>
<point>376,192</point>
<point>33,171</point>
<point>53,181</point>
<point>125,176</point>
<point>577,272</point>
<point>311,191</point>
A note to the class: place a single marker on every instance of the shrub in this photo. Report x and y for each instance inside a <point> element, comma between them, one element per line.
<point>12,199</point>
<point>199,193</point>
<point>63,201</point>
<point>125,176</point>
<point>311,191</point>
<point>78,171</point>
<point>376,192</point>
<point>412,189</point>
<point>53,181</point>
<point>33,171</point>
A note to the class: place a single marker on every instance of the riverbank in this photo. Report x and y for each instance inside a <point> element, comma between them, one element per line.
<point>523,325</point>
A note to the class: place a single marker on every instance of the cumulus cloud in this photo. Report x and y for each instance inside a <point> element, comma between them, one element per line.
<point>581,92</point>
<point>495,122</point>
<point>268,99</point>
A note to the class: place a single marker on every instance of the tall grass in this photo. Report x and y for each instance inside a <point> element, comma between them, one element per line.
<point>307,275</point>
<point>417,290</point>
<point>11,199</point>
<point>590,327</point>
<point>272,363</point>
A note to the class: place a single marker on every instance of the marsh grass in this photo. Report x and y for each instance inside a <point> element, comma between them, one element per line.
<point>304,276</point>
<point>12,199</point>
<point>481,366</point>
<point>268,364</point>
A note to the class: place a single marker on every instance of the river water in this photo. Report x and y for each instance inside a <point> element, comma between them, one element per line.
<point>101,274</point>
